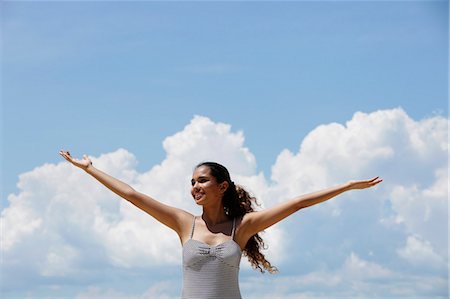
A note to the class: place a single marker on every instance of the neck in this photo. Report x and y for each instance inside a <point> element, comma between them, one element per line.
<point>214,214</point>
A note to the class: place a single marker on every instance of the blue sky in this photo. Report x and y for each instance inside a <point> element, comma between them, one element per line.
<point>72,71</point>
<point>95,77</point>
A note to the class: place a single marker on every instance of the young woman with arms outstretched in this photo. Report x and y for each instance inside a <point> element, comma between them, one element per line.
<point>214,242</point>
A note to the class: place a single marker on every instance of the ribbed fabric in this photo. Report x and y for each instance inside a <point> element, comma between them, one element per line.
<point>211,271</point>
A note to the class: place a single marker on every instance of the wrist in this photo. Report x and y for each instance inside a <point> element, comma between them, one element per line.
<point>89,167</point>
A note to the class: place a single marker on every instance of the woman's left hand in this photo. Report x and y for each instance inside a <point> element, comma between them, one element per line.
<point>365,183</point>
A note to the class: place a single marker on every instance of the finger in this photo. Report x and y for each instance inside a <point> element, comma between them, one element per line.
<point>63,152</point>
<point>376,182</point>
<point>67,156</point>
<point>372,181</point>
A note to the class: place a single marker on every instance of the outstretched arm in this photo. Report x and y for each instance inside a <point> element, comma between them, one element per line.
<point>258,221</point>
<point>174,218</point>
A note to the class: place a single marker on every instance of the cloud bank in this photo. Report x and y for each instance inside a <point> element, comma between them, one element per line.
<point>63,233</point>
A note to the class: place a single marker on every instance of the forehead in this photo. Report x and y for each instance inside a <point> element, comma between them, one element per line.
<point>202,171</point>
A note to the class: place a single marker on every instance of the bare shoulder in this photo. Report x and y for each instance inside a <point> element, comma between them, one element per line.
<point>244,223</point>
<point>185,220</point>
<point>248,219</point>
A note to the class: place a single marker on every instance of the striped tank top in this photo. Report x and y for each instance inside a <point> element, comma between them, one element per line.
<point>211,271</point>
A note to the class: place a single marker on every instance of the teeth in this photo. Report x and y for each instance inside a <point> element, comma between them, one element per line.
<point>198,195</point>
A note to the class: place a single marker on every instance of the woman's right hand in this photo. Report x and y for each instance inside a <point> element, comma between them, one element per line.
<point>83,163</point>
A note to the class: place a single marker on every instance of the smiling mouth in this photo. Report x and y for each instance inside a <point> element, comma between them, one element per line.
<point>197,196</point>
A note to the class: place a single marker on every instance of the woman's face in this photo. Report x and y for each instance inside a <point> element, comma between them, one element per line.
<point>205,189</point>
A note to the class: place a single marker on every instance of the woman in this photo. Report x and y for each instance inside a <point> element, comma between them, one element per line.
<point>228,227</point>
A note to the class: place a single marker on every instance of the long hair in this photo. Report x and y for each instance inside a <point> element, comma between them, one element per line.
<point>237,202</point>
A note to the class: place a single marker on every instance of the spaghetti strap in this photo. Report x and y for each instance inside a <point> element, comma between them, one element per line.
<point>193,226</point>
<point>234,227</point>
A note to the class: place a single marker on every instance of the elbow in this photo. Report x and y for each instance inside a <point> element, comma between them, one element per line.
<point>129,193</point>
<point>304,204</point>
<point>300,204</point>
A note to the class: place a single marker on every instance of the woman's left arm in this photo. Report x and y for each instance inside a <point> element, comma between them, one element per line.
<point>255,222</point>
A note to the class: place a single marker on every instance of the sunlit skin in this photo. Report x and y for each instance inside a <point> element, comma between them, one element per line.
<point>214,226</point>
<point>205,187</point>
<point>208,193</point>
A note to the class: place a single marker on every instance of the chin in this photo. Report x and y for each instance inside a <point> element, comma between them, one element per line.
<point>198,202</point>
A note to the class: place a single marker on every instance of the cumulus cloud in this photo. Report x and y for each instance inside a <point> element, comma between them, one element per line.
<point>387,142</point>
<point>422,209</point>
<point>76,224</point>
<point>411,156</point>
<point>355,277</point>
<point>421,253</point>
<point>160,290</point>
<point>380,239</point>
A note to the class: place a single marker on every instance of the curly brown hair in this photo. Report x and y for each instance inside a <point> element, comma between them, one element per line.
<point>237,202</point>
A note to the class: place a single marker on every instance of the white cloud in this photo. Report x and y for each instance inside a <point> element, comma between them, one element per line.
<point>76,224</point>
<point>421,253</point>
<point>368,144</point>
<point>59,260</point>
<point>356,277</point>
<point>25,223</point>
<point>357,268</point>
<point>161,290</point>
<point>421,208</point>
<point>409,155</point>
<point>78,228</point>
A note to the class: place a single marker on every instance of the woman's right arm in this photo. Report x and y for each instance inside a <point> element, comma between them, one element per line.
<point>172,217</point>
